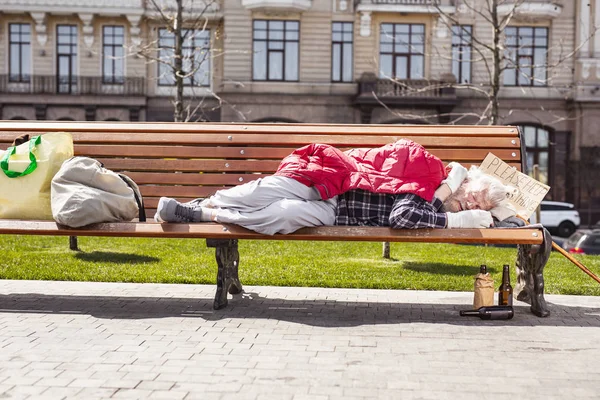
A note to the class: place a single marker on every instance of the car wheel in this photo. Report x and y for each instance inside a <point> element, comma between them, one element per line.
<point>566,229</point>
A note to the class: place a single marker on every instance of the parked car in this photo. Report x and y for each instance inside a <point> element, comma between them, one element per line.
<point>584,241</point>
<point>561,219</point>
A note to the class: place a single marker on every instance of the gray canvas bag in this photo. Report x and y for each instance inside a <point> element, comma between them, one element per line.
<point>83,192</point>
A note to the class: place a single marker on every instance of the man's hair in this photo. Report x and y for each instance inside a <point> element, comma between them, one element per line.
<point>495,191</point>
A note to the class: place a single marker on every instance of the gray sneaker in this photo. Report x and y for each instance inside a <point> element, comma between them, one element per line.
<point>200,201</point>
<point>170,210</point>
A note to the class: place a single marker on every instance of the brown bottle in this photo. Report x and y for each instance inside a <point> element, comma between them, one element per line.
<point>493,312</point>
<point>483,288</point>
<point>505,291</point>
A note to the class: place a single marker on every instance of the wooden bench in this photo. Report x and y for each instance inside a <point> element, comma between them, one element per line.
<point>190,160</point>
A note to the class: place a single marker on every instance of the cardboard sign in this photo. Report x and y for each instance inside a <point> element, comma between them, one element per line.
<point>529,192</point>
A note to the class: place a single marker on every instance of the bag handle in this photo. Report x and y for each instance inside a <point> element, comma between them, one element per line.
<point>11,150</point>
<point>139,199</point>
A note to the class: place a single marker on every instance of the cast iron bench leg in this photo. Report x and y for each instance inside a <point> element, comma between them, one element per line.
<point>531,260</point>
<point>228,259</point>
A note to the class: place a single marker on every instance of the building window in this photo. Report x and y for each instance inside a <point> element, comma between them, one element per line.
<point>537,144</point>
<point>20,52</point>
<point>461,52</point>
<point>275,50</point>
<point>401,51</point>
<point>526,56</point>
<point>341,52</point>
<point>66,58</point>
<point>196,57</point>
<point>113,39</point>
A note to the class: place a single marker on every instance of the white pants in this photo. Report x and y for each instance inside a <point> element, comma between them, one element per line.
<point>274,204</point>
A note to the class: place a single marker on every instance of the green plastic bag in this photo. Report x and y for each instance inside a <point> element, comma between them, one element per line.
<point>27,172</point>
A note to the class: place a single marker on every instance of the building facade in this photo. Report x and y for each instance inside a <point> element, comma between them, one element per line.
<point>320,61</point>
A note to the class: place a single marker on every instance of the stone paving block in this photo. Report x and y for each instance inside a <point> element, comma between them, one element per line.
<point>23,391</point>
<point>120,383</point>
<point>179,354</point>
<point>20,378</point>
<point>191,387</point>
<point>43,373</point>
<point>168,369</point>
<point>131,394</point>
<point>86,383</point>
<point>225,388</point>
<point>266,391</point>
<point>137,367</point>
<point>214,351</point>
<point>168,395</point>
<point>55,382</point>
<point>59,393</point>
<point>156,385</point>
<point>95,393</point>
<point>309,397</point>
<point>106,375</point>
<point>76,374</point>
<point>12,364</point>
<point>141,376</point>
<point>209,396</point>
<point>333,392</point>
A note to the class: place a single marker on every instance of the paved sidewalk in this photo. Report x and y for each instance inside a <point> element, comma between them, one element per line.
<point>148,341</point>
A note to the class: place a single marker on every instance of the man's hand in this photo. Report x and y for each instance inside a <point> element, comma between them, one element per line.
<point>456,176</point>
<point>470,219</point>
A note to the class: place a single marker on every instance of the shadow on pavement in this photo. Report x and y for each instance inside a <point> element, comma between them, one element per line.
<point>323,313</point>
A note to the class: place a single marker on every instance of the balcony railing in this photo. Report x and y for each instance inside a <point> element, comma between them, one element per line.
<point>405,88</point>
<point>76,85</point>
<point>402,2</point>
<point>422,92</point>
<point>277,5</point>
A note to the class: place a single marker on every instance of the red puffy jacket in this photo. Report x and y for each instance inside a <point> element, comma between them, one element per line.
<point>400,167</point>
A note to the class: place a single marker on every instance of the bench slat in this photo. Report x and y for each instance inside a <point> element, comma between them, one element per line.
<point>166,178</point>
<point>132,164</point>
<point>341,129</point>
<point>157,165</point>
<point>178,191</point>
<point>328,233</point>
<point>451,154</point>
<point>292,140</point>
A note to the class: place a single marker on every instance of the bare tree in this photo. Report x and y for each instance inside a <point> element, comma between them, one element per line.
<point>495,51</point>
<point>182,51</point>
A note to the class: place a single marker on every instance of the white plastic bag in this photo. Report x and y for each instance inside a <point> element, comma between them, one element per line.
<point>27,171</point>
<point>84,192</point>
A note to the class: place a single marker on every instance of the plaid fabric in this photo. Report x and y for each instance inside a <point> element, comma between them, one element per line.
<point>359,207</point>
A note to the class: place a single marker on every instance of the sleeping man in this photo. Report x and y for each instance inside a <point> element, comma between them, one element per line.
<point>400,185</point>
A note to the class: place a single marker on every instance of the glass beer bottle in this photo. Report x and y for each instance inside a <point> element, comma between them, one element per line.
<point>493,312</point>
<point>505,291</point>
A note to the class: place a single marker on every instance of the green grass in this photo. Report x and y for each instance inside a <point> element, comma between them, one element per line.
<point>280,263</point>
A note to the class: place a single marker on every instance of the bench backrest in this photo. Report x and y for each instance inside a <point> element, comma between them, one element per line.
<point>189,160</point>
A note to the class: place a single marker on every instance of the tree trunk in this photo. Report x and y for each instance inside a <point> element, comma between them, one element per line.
<point>178,62</point>
<point>496,67</point>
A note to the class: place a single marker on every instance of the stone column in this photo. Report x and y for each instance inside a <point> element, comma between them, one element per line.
<point>584,28</point>
<point>596,26</point>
